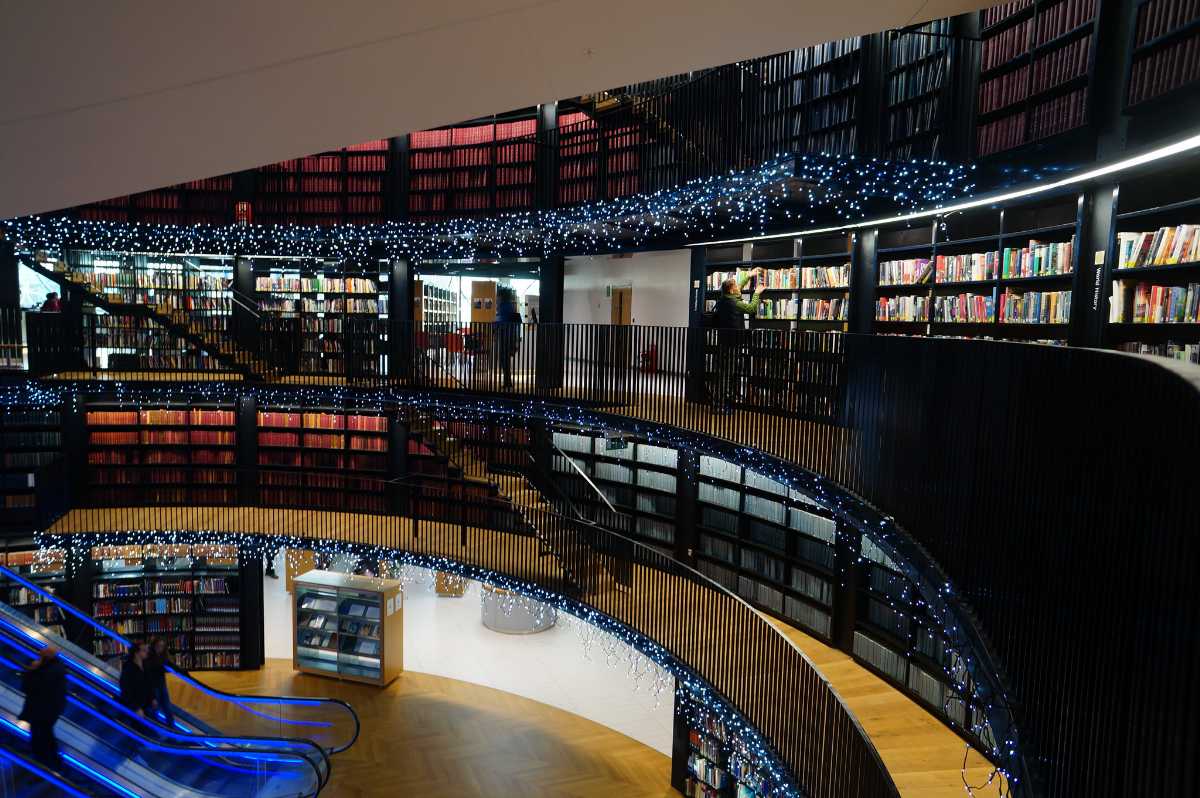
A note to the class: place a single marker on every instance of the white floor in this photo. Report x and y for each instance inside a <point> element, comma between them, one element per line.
<point>444,637</point>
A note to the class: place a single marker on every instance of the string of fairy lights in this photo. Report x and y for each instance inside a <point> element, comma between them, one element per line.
<point>927,598</point>
<point>794,188</point>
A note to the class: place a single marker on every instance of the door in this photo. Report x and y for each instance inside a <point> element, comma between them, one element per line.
<point>622,306</point>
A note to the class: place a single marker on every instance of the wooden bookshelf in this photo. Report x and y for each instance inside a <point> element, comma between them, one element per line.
<point>187,595</point>
<point>167,453</point>
<point>472,169</point>
<point>325,458</point>
<point>349,627</point>
<point>1036,69</point>
<point>345,186</point>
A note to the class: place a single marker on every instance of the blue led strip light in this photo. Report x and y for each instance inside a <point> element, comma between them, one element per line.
<point>66,788</point>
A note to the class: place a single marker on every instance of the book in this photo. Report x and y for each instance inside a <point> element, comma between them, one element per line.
<point>1167,246</point>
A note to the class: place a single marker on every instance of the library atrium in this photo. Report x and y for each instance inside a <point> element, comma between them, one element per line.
<point>683,398</point>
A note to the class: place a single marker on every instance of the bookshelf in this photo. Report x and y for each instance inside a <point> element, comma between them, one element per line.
<point>578,158</point>
<point>333,312</point>
<point>167,453</point>
<point>808,281</point>
<point>324,458</point>
<point>918,91</point>
<point>1166,43</point>
<point>46,568</point>
<point>638,478</point>
<point>29,441</point>
<point>434,305</point>
<point>1035,71</point>
<point>349,627</point>
<point>708,760</point>
<point>345,186</point>
<point>998,273</point>
<point>472,169</point>
<point>207,201</point>
<point>192,288</point>
<point>1153,267</point>
<point>188,595</point>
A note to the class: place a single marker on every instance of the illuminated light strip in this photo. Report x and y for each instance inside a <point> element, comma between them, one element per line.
<point>1167,151</point>
<point>57,782</point>
<point>241,700</point>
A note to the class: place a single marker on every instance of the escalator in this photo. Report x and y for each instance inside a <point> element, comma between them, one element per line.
<point>330,723</point>
<point>114,751</point>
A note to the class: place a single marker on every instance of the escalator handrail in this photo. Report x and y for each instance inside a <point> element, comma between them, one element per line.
<point>208,738</point>
<point>50,775</point>
<point>199,753</point>
<point>185,677</point>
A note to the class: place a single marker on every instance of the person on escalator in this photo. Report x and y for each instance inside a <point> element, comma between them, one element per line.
<point>45,684</point>
<point>156,674</point>
<point>136,691</point>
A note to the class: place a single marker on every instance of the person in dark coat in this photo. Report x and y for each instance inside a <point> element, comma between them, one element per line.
<point>728,318</point>
<point>508,331</point>
<point>156,674</point>
<point>136,691</point>
<point>45,684</point>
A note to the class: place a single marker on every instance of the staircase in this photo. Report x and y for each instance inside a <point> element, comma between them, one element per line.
<point>221,347</point>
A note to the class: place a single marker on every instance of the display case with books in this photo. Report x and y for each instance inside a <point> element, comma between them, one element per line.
<point>349,627</point>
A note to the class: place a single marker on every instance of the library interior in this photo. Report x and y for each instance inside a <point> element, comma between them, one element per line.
<point>765,426</point>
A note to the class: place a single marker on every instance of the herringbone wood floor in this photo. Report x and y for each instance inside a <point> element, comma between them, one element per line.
<point>435,737</point>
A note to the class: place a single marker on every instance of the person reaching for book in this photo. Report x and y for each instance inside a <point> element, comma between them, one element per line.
<point>728,318</point>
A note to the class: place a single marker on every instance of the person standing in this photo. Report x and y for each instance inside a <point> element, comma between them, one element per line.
<point>135,682</point>
<point>52,304</point>
<point>45,684</point>
<point>508,331</point>
<point>728,317</point>
<point>156,674</point>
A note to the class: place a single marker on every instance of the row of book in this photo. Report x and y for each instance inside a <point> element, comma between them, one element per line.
<point>972,267</point>
<point>916,118</point>
<point>902,308</point>
<point>923,78</point>
<point>833,141</point>
<point>826,82</point>
<point>923,42</point>
<point>837,111</point>
<point>1159,17</point>
<point>366,423</point>
<point>1061,65</point>
<point>1038,259</point>
<point>1035,307</point>
<point>1003,91</point>
<point>321,459</point>
<point>973,308</point>
<point>622,162</point>
<point>1166,246</point>
<point>707,771</point>
<point>807,309</point>
<point>1176,350</point>
<point>1006,45</point>
<point>1145,303</point>
<point>160,280</point>
<point>909,271</point>
<point>1062,17</point>
<point>1002,134</point>
<point>997,14</point>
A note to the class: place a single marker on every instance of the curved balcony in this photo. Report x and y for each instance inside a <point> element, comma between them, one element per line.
<point>1000,480</point>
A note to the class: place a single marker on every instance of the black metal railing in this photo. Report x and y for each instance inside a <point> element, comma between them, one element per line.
<point>706,629</point>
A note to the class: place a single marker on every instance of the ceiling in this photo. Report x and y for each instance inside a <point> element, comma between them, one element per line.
<point>104,99</point>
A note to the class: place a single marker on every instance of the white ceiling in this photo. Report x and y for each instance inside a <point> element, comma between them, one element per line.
<point>103,99</point>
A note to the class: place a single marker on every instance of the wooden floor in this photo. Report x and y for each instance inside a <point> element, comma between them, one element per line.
<point>435,737</point>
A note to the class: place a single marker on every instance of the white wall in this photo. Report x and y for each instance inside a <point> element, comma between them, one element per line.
<point>659,280</point>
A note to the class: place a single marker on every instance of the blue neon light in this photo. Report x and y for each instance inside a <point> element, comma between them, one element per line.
<point>45,774</point>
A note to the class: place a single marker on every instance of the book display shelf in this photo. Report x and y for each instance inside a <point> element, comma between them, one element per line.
<point>472,169</point>
<point>167,453</point>
<point>808,280</point>
<point>192,289</point>
<point>766,543</point>
<point>895,638</point>
<point>349,627</point>
<point>918,91</point>
<point>345,186</point>
<point>1165,53</point>
<point>1036,71</point>
<point>207,201</point>
<point>1153,267</point>
<point>334,312</point>
<point>578,158</point>
<point>433,304</point>
<point>708,761</point>
<point>326,458</point>
<point>30,441</point>
<point>997,273</point>
<point>46,568</point>
<point>187,595</point>
<point>638,479</point>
